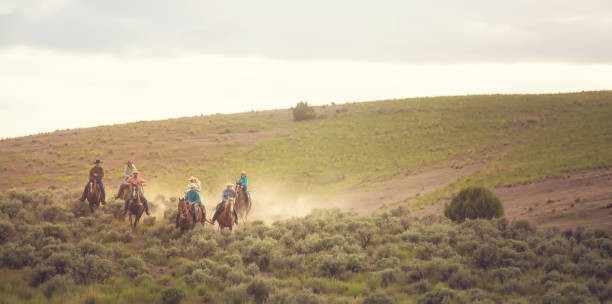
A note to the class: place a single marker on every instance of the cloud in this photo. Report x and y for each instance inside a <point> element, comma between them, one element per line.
<point>388,31</point>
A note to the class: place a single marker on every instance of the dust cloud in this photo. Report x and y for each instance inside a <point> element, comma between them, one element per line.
<point>270,201</point>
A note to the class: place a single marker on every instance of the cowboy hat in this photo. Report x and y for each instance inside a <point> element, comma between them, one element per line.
<point>243,172</point>
<point>193,178</point>
<point>98,162</point>
<point>229,185</point>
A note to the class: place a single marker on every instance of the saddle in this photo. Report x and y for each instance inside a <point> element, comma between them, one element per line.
<point>198,207</point>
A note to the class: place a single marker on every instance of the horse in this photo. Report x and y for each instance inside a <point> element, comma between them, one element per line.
<point>242,206</point>
<point>124,193</point>
<point>94,195</point>
<point>226,217</point>
<point>185,216</point>
<point>135,206</point>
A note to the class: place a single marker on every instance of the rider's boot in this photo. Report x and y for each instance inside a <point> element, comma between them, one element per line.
<point>147,211</point>
<point>235,217</point>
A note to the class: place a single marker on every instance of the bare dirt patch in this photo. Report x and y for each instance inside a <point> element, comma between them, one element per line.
<point>582,199</point>
<point>391,191</point>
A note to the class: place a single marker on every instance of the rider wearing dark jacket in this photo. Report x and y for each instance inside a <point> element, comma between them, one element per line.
<point>96,173</point>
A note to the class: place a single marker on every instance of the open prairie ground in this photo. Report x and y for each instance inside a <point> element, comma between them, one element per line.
<point>347,206</point>
<point>357,156</point>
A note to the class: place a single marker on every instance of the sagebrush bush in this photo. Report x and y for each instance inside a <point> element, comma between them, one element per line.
<point>440,295</point>
<point>260,290</point>
<point>7,231</point>
<point>57,285</point>
<point>16,256</point>
<point>11,207</point>
<point>172,295</point>
<point>378,298</point>
<point>474,202</point>
<point>302,111</point>
<point>133,266</point>
<point>306,296</point>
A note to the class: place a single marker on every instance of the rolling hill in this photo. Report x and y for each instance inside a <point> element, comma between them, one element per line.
<point>347,206</point>
<point>353,156</point>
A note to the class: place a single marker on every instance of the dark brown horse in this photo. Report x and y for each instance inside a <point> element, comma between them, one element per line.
<point>226,217</point>
<point>135,206</point>
<point>185,215</point>
<point>242,206</point>
<point>94,195</point>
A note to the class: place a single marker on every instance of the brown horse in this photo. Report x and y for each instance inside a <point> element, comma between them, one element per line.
<point>185,215</point>
<point>124,193</point>
<point>242,206</point>
<point>226,217</point>
<point>135,206</point>
<point>94,195</point>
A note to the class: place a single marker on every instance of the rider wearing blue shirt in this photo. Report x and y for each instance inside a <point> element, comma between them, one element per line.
<point>227,193</point>
<point>244,181</point>
<point>194,197</point>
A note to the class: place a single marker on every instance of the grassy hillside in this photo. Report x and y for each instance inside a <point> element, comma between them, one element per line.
<point>62,254</point>
<point>53,250</point>
<point>518,138</point>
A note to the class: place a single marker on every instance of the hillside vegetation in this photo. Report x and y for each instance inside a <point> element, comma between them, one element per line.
<point>65,255</point>
<point>518,138</point>
<point>53,250</point>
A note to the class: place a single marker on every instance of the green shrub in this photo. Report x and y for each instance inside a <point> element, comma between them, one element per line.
<point>236,276</point>
<point>16,256</point>
<point>236,294</point>
<point>11,207</point>
<point>7,231</point>
<point>54,214</point>
<point>462,279</point>
<point>305,296</point>
<point>439,296</point>
<point>91,268</point>
<point>252,269</point>
<point>378,298</point>
<point>474,202</point>
<point>283,297</point>
<point>260,290</point>
<point>133,266</point>
<point>302,111</point>
<point>328,265</point>
<point>57,285</point>
<point>172,295</point>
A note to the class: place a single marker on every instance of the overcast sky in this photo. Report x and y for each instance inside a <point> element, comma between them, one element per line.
<point>66,64</point>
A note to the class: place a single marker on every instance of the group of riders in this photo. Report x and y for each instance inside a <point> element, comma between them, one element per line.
<point>192,195</point>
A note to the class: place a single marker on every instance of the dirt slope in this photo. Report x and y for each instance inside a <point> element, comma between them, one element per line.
<point>582,199</point>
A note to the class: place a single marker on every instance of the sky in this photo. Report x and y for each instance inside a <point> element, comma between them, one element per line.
<point>69,64</point>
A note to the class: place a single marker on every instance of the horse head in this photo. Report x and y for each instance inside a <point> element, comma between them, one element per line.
<point>231,203</point>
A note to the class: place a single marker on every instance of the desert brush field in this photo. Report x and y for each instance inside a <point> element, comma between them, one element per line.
<point>348,207</point>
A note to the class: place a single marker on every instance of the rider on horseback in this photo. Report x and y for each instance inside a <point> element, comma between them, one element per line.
<point>227,193</point>
<point>244,181</point>
<point>194,180</point>
<point>136,181</point>
<point>127,172</point>
<point>96,173</point>
<point>193,197</point>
